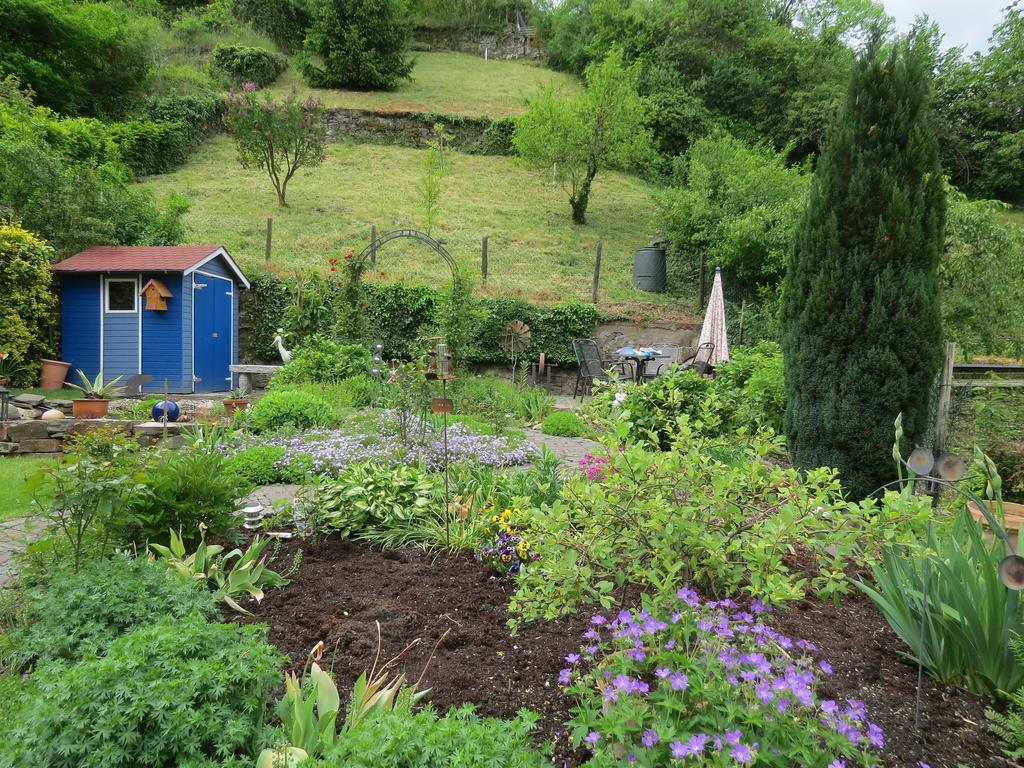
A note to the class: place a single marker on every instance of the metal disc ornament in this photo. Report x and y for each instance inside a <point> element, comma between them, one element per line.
<point>921,461</point>
<point>951,467</point>
<point>1011,572</point>
<point>516,337</point>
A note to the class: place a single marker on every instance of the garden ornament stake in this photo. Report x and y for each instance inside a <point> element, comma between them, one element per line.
<point>947,471</point>
<point>5,403</point>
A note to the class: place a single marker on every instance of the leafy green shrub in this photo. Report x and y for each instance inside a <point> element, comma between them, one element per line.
<point>242,62</point>
<point>194,113</point>
<point>971,617</point>
<point>323,361</point>
<point>151,146</point>
<point>498,137</point>
<point>564,424</point>
<point>709,683</point>
<point>753,386</point>
<point>82,613</point>
<point>711,512</point>
<point>371,497</point>
<point>91,58</point>
<point>357,44</point>
<point>1010,726</point>
<point>396,313</point>
<point>262,310</point>
<point>26,303</point>
<point>183,490</point>
<point>299,410</point>
<point>163,694</point>
<point>283,21</point>
<point>424,740</point>
<point>257,465</point>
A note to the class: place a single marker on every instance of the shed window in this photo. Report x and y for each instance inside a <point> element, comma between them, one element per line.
<point>121,295</point>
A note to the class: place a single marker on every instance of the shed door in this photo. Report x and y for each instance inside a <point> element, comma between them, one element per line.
<point>212,333</point>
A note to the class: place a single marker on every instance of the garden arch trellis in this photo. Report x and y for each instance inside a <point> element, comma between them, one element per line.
<point>412,234</point>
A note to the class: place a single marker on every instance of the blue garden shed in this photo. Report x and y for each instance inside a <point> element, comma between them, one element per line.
<point>170,312</point>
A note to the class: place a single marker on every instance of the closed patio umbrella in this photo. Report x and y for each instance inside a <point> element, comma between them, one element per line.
<point>713,329</point>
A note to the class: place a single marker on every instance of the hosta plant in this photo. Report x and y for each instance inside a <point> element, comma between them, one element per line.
<point>374,497</point>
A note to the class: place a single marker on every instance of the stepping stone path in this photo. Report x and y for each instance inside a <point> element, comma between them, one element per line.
<point>14,535</point>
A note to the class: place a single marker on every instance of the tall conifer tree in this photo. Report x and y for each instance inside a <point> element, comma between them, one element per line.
<point>861,321</point>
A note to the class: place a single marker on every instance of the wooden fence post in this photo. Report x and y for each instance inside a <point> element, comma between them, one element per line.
<point>945,394</point>
<point>483,260</point>
<point>373,246</point>
<point>270,229</point>
<point>597,273</point>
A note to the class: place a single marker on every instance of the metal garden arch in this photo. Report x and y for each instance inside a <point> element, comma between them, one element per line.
<point>412,234</point>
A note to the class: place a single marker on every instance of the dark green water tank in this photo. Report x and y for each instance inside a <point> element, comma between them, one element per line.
<point>649,269</point>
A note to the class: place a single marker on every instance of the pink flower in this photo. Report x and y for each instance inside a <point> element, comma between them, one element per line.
<point>249,86</point>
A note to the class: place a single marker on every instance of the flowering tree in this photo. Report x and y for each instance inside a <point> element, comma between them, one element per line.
<point>278,136</point>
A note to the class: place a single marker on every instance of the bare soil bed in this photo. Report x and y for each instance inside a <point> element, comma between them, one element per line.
<point>342,588</point>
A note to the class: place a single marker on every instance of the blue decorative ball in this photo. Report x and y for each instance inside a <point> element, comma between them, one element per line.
<point>170,407</point>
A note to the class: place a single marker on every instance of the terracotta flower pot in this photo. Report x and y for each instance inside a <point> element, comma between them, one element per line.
<point>236,404</point>
<point>89,408</point>
<point>1013,521</point>
<point>53,373</point>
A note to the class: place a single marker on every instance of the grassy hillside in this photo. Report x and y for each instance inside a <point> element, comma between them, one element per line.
<point>535,250</point>
<point>446,83</point>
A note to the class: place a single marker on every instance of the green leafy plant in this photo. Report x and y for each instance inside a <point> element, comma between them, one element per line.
<point>711,512</point>
<point>1009,726</point>
<point>256,465</point>
<point>164,694</point>
<point>187,490</point>
<point>248,575</point>
<point>370,497</point>
<point>243,63</point>
<point>565,424</point>
<point>436,165</point>
<point>322,361</point>
<point>310,719</point>
<point>9,367</point>
<point>79,614</point>
<point>27,304</point>
<point>950,599</point>
<point>298,410</point>
<point>425,740</point>
<point>97,389</point>
<point>85,496</point>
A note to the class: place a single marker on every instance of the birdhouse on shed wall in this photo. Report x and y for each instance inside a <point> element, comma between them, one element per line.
<point>156,294</point>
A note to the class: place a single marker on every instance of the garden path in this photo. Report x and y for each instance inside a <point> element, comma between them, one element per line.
<point>15,534</point>
<point>570,450</point>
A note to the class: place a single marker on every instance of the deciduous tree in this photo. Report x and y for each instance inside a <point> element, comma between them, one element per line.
<point>603,127</point>
<point>278,136</point>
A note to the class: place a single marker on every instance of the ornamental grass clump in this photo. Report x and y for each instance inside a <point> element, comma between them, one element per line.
<point>686,682</point>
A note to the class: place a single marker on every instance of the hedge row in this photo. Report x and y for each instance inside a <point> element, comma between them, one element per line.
<point>399,314</point>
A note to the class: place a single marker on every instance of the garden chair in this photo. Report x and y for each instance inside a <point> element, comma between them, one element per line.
<point>592,367</point>
<point>661,363</point>
<point>700,361</point>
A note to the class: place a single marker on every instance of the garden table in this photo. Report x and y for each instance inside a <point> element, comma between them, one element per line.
<point>639,356</point>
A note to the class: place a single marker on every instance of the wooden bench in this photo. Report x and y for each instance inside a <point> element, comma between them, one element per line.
<point>245,373</point>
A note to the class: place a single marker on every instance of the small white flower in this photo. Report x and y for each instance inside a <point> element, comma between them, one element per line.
<point>620,398</point>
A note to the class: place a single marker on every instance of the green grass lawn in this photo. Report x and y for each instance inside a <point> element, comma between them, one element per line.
<point>15,501</point>
<point>50,394</point>
<point>445,83</point>
<point>534,250</point>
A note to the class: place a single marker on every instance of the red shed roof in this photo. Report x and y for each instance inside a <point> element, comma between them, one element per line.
<point>146,258</point>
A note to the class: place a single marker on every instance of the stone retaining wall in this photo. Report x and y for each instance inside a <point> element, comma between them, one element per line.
<point>509,43</point>
<point>409,129</point>
<point>48,436</point>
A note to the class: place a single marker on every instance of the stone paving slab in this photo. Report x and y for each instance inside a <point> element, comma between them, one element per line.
<point>14,536</point>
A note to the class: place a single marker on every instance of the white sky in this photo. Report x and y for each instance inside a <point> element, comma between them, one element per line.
<point>963,22</point>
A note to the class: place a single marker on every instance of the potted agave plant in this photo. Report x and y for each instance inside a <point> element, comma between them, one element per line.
<point>9,368</point>
<point>237,400</point>
<point>96,400</point>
